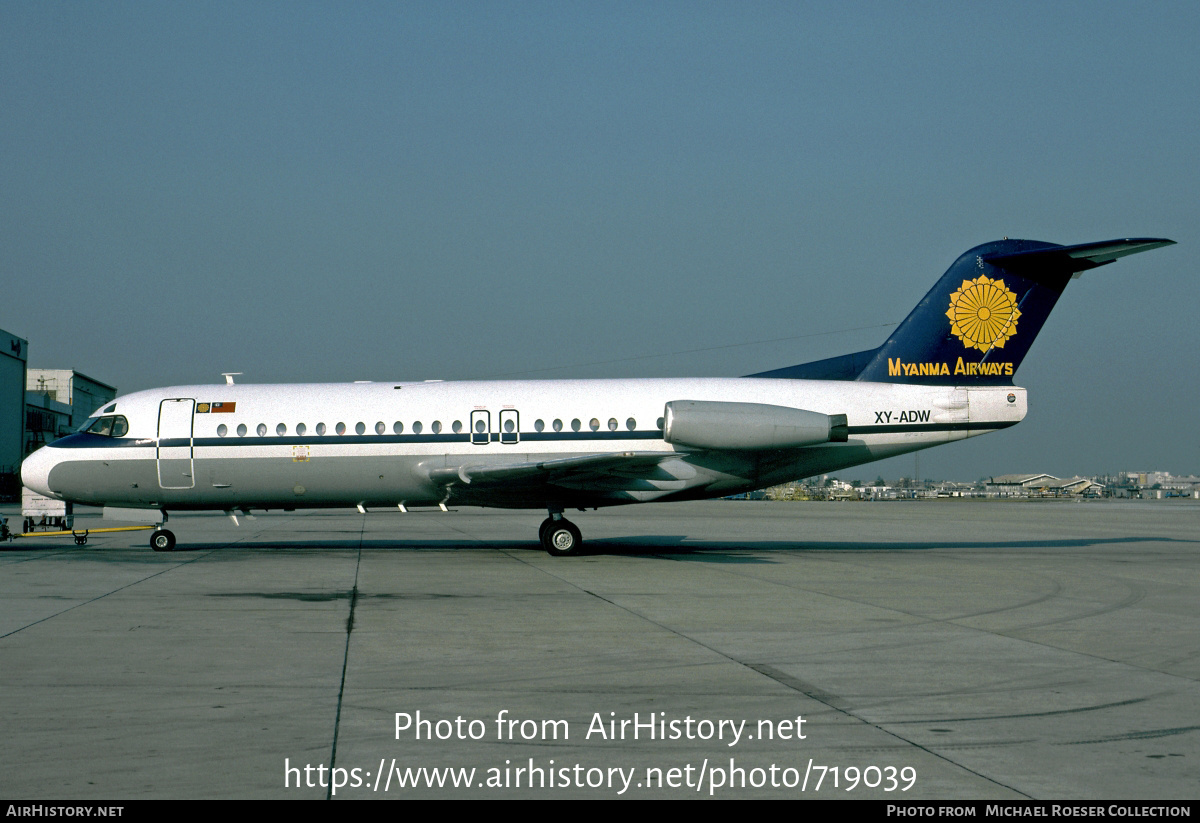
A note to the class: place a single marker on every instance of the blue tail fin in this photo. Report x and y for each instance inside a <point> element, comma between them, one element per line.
<point>976,325</point>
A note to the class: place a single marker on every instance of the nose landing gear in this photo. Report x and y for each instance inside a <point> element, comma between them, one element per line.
<point>162,540</point>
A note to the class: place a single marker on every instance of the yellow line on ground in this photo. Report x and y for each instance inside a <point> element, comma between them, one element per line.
<point>85,531</point>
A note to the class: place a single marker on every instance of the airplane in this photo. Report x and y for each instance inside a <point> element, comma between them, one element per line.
<point>945,374</point>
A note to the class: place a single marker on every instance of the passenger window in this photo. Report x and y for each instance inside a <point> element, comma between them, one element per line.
<point>222,430</point>
<point>301,428</point>
<point>631,424</point>
<point>242,429</point>
<point>594,424</point>
<point>437,427</point>
<point>281,429</point>
<point>398,427</point>
<point>576,425</point>
<point>380,428</point>
<point>557,425</point>
<point>340,428</point>
<point>660,423</point>
<point>508,426</point>
<point>262,429</point>
<point>417,427</point>
<point>360,428</point>
<point>538,425</point>
<point>320,428</point>
<point>612,424</point>
<point>457,426</point>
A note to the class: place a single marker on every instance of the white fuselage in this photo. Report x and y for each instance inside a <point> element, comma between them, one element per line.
<point>280,446</point>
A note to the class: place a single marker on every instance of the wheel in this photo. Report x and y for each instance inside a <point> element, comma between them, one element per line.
<point>561,538</point>
<point>547,523</point>
<point>162,541</point>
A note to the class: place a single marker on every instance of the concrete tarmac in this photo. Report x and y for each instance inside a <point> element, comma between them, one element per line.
<point>963,650</point>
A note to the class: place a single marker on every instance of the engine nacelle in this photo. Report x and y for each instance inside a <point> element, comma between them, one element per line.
<point>704,424</point>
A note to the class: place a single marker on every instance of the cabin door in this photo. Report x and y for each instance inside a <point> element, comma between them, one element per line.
<point>175,444</point>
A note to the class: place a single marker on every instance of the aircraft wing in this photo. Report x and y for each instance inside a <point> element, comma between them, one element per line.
<point>621,470</point>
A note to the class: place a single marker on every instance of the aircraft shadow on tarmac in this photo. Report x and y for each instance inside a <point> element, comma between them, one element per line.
<point>674,546</point>
<point>716,551</point>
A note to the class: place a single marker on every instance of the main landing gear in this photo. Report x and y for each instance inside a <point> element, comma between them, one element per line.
<point>162,540</point>
<point>560,537</point>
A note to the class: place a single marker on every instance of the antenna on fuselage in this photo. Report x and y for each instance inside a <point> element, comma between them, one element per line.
<point>229,375</point>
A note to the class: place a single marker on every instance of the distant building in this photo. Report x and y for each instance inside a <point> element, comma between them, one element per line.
<point>878,492</point>
<point>1155,485</point>
<point>1043,485</point>
<point>1080,486</point>
<point>1019,485</point>
<point>12,411</point>
<point>948,488</point>
<point>1148,479</point>
<point>46,420</point>
<point>82,393</point>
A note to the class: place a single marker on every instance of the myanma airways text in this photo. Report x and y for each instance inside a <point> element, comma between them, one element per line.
<point>898,368</point>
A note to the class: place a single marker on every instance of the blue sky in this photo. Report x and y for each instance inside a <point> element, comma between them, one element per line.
<point>332,192</point>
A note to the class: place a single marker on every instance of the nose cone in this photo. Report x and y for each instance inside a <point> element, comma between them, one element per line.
<point>35,471</point>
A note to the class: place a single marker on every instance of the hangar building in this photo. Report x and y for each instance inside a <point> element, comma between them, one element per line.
<point>12,412</point>
<point>58,401</point>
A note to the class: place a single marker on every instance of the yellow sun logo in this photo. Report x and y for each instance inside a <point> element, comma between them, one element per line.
<point>983,313</point>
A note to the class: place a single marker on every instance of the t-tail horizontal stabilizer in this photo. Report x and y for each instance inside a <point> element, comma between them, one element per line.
<point>1074,259</point>
<point>976,325</point>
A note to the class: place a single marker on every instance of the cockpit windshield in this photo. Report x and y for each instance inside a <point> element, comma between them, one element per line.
<point>110,426</point>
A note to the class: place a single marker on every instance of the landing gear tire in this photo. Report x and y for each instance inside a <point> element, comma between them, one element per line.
<point>162,541</point>
<point>561,538</point>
